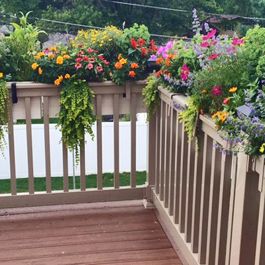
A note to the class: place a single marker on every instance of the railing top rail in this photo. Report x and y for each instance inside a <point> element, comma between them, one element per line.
<point>35,85</point>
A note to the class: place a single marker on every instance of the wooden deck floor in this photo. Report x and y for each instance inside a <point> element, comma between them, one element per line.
<point>84,235</point>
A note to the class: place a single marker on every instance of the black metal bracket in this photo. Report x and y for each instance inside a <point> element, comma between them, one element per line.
<point>14,93</point>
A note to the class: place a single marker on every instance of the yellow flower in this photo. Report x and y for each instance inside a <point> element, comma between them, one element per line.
<point>53,49</point>
<point>123,61</point>
<point>67,76</point>
<point>220,116</point>
<point>60,77</point>
<point>40,71</point>
<point>51,56</point>
<point>41,54</point>
<point>59,60</point>
<point>34,66</point>
<point>1,75</point>
<point>262,148</point>
<point>233,89</point>
<point>37,57</point>
<point>120,56</point>
<point>66,56</point>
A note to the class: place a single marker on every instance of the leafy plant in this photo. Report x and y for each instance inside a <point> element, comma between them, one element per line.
<point>189,118</point>
<point>76,115</point>
<point>16,50</point>
<point>151,95</point>
<point>3,111</point>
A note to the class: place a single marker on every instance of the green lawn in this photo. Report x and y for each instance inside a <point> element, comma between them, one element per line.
<point>57,182</point>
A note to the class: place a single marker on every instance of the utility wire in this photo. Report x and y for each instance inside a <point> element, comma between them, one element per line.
<point>183,10</point>
<point>86,26</point>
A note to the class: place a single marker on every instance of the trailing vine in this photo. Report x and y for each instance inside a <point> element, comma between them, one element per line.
<point>3,112</point>
<point>151,94</point>
<point>76,115</point>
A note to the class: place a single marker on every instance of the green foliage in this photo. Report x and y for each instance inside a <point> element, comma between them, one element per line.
<point>135,32</point>
<point>3,112</point>
<point>189,117</point>
<point>16,50</point>
<point>151,95</point>
<point>76,115</point>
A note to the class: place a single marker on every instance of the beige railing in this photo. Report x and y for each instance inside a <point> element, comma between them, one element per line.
<point>37,101</point>
<point>210,202</point>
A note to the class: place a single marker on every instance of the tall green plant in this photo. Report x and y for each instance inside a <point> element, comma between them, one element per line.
<point>16,50</point>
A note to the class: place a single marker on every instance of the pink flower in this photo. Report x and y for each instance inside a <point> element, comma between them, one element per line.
<point>210,35</point>
<point>237,42</point>
<point>90,66</point>
<point>91,60</point>
<point>185,71</point>
<point>90,50</point>
<point>78,66</point>
<point>205,44</point>
<point>101,57</point>
<point>106,62</point>
<point>79,60</point>
<point>213,56</point>
<point>226,101</point>
<point>99,69</point>
<point>217,91</point>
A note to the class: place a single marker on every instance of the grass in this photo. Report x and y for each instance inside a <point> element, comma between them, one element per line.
<point>57,182</point>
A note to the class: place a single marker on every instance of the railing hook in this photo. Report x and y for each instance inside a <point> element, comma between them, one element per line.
<point>14,93</point>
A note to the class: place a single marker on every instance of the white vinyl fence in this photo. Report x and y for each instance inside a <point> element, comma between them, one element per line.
<point>91,151</point>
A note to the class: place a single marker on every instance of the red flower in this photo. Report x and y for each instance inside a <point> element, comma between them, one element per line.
<point>132,74</point>
<point>85,58</point>
<point>217,91</point>
<point>213,56</point>
<point>144,51</point>
<point>141,42</point>
<point>153,46</point>
<point>133,43</point>
<point>226,101</point>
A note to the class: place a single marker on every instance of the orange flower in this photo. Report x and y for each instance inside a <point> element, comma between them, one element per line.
<point>40,71</point>
<point>51,56</point>
<point>57,82</point>
<point>159,60</point>
<point>66,56</point>
<point>171,56</point>
<point>167,62</point>
<point>118,65</point>
<point>132,74</point>
<point>134,65</point>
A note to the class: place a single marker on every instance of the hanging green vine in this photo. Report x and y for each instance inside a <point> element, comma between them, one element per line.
<point>151,94</point>
<point>76,115</point>
<point>3,112</point>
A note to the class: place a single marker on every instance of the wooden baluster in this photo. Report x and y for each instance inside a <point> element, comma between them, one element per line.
<point>82,166</point>
<point>162,150</point>
<point>197,185</point>
<point>116,119</point>
<point>99,142</point>
<point>11,141</point>
<point>29,145</point>
<point>47,143</point>
<point>133,140</point>
<point>157,164</point>
<point>65,168</point>
<point>204,208</point>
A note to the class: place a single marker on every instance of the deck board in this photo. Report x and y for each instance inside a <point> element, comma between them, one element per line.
<point>118,235</point>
